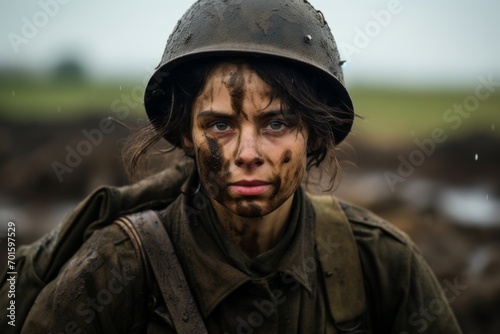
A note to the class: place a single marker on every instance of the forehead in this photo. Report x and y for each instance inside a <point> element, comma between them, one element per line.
<point>233,76</point>
<point>234,86</point>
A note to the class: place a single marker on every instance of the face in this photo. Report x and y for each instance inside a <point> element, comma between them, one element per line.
<point>250,150</point>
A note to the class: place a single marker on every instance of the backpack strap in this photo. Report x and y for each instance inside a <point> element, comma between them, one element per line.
<point>148,234</point>
<point>341,266</point>
<point>343,272</point>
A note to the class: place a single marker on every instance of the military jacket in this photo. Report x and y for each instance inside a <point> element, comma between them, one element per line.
<point>104,288</point>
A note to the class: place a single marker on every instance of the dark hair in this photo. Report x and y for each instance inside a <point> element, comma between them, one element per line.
<point>304,91</point>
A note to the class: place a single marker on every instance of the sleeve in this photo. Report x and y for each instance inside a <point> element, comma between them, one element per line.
<point>425,308</point>
<point>100,290</point>
<point>403,290</point>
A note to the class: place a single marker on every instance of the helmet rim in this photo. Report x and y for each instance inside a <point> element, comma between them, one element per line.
<point>316,49</point>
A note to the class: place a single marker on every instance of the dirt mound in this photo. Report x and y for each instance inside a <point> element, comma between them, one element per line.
<point>448,204</point>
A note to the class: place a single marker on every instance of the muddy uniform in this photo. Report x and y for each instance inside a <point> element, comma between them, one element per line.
<point>104,288</point>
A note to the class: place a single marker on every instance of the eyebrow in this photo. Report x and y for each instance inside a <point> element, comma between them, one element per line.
<point>214,114</point>
<point>225,115</point>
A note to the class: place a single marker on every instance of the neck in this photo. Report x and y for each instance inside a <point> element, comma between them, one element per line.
<point>254,236</point>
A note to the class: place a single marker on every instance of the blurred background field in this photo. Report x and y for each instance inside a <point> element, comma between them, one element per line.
<point>389,112</point>
<point>71,76</point>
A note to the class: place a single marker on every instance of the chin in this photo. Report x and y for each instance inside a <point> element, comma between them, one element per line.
<point>252,209</point>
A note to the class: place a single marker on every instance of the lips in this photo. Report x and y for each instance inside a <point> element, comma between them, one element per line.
<point>249,187</point>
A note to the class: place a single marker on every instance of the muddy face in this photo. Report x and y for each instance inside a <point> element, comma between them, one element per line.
<point>250,154</point>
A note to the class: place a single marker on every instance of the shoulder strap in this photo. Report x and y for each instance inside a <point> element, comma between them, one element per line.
<point>342,267</point>
<point>360,215</point>
<point>344,278</point>
<point>153,242</point>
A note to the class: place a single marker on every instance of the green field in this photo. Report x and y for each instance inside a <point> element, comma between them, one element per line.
<point>59,101</point>
<point>391,114</point>
<point>388,114</point>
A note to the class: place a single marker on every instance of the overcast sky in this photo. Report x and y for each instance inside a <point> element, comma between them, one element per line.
<point>423,41</point>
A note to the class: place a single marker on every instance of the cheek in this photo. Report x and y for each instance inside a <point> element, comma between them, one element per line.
<point>293,171</point>
<point>294,156</point>
<point>212,167</point>
<point>292,166</point>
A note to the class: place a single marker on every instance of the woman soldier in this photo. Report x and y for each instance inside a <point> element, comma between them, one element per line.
<point>252,92</point>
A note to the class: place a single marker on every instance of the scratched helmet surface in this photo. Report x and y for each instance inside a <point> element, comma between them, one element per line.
<point>288,29</point>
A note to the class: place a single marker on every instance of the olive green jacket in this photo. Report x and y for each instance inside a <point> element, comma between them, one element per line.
<point>105,289</point>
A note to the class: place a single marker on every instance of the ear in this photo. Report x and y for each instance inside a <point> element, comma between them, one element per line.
<point>187,145</point>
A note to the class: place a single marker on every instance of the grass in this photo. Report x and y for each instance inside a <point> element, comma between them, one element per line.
<point>389,114</point>
<point>60,101</point>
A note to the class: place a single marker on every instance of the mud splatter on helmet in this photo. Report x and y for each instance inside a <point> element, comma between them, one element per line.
<point>286,29</point>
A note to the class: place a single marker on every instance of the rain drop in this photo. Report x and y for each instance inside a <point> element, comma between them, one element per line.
<point>487,197</point>
<point>59,109</point>
<point>492,127</point>
<point>477,157</point>
<point>120,88</point>
<point>13,93</point>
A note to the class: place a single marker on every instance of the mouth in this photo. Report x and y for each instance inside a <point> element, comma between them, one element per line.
<point>249,187</point>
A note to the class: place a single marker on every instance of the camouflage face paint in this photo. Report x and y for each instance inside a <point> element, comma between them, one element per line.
<point>286,157</point>
<point>236,88</point>
<point>251,157</point>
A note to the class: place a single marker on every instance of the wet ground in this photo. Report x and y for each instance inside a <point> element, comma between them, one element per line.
<point>449,204</point>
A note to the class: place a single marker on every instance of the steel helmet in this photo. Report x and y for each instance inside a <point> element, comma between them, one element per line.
<point>287,29</point>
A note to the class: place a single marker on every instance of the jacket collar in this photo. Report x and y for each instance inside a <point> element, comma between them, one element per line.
<point>212,277</point>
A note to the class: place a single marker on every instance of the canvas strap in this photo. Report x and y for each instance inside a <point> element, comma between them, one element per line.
<point>147,232</point>
<point>341,265</point>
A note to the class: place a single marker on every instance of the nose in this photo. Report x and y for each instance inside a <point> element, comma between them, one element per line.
<point>247,153</point>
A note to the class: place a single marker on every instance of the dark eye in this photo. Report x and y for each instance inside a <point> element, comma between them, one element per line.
<point>276,125</point>
<point>221,126</point>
